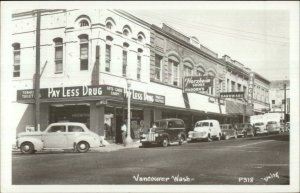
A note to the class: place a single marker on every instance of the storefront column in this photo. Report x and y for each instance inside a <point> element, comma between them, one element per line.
<point>157,114</point>
<point>44,116</point>
<point>147,118</point>
<point>97,118</point>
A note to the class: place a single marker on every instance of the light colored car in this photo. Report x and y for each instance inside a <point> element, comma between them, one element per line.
<point>67,135</point>
<point>228,131</point>
<point>273,127</point>
<point>205,130</point>
<point>260,128</point>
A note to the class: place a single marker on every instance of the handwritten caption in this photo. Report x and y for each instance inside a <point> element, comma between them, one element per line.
<point>176,178</point>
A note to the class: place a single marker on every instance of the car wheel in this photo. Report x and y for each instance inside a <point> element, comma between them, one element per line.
<point>27,147</point>
<point>165,142</point>
<point>208,139</point>
<point>180,141</point>
<point>82,147</point>
<point>219,137</point>
<point>226,137</point>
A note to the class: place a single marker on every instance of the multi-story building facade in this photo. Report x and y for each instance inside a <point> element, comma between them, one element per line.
<point>261,93</point>
<point>90,59</point>
<point>277,99</point>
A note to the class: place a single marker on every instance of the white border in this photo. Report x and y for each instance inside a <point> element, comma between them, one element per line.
<point>292,7</point>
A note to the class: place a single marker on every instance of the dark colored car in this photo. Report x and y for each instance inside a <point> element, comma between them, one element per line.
<point>228,131</point>
<point>245,129</point>
<point>166,131</point>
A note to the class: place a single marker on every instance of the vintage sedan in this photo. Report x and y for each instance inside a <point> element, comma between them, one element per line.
<point>260,128</point>
<point>166,131</point>
<point>67,135</point>
<point>228,131</point>
<point>244,130</point>
<point>273,127</point>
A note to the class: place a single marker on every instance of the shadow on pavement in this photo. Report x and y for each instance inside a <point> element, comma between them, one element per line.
<point>277,137</point>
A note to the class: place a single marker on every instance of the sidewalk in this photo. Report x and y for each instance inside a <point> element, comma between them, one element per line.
<point>115,147</point>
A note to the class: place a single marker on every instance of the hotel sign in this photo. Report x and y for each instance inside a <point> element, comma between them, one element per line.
<point>195,84</point>
<point>250,87</point>
<point>232,94</point>
<point>89,91</point>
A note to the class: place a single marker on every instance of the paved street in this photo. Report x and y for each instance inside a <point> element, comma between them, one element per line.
<point>253,160</point>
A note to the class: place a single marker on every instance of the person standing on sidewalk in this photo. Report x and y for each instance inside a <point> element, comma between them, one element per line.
<point>124,131</point>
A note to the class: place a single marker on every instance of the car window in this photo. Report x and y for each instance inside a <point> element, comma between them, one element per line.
<point>230,126</point>
<point>74,128</point>
<point>259,124</point>
<point>57,128</point>
<point>202,124</point>
<point>211,124</point>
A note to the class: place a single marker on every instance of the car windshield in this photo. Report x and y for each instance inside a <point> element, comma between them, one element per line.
<point>202,124</point>
<point>224,127</point>
<point>272,122</point>
<point>259,124</point>
<point>160,124</point>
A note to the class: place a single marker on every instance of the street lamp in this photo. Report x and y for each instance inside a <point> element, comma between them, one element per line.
<point>128,138</point>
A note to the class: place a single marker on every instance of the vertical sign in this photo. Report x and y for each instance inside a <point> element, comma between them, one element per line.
<point>250,87</point>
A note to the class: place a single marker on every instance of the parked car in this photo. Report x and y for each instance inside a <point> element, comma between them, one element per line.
<point>287,126</point>
<point>273,127</point>
<point>166,131</point>
<point>228,131</point>
<point>68,135</point>
<point>260,128</point>
<point>244,129</point>
<point>205,130</point>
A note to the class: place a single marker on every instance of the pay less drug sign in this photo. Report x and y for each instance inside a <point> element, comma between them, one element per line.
<point>197,83</point>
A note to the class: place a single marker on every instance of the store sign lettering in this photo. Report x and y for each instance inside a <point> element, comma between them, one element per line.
<point>250,87</point>
<point>195,84</point>
<point>232,94</point>
<point>89,91</point>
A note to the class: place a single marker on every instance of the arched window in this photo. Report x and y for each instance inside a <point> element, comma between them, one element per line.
<point>58,55</point>
<point>200,71</point>
<point>211,88</point>
<point>141,37</point>
<point>126,30</point>
<point>84,23</point>
<point>84,51</point>
<point>158,67</point>
<point>109,23</point>
<point>139,63</point>
<point>187,69</point>
<point>124,59</point>
<point>173,70</point>
<point>108,53</point>
<point>17,54</point>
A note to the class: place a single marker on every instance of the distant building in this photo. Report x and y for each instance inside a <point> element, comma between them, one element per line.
<point>276,98</point>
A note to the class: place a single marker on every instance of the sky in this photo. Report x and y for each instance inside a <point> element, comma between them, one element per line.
<point>259,39</point>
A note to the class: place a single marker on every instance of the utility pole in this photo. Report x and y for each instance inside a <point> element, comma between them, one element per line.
<point>37,71</point>
<point>284,116</point>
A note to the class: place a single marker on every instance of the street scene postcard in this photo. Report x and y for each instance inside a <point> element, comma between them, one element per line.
<point>150,96</point>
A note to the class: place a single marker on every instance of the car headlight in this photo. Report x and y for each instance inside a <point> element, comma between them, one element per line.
<point>156,134</point>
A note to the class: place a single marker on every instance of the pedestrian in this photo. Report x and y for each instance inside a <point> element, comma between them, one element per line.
<point>124,131</point>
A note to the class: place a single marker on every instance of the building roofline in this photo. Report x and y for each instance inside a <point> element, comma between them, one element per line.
<point>262,78</point>
<point>132,17</point>
<point>186,44</point>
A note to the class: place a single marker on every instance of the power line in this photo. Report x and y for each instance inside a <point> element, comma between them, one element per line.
<point>222,27</point>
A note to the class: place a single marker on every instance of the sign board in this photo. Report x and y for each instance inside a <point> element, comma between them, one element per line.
<point>196,84</point>
<point>232,94</point>
<point>89,91</point>
<point>29,128</point>
<point>250,87</point>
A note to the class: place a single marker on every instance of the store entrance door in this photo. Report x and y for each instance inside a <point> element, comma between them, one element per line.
<point>119,122</point>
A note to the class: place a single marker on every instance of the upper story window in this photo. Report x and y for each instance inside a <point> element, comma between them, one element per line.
<point>84,23</point>
<point>124,59</point>
<point>232,86</point>
<point>126,30</point>
<point>139,64</point>
<point>109,23</point>
<point>211,89</point>
<point>108,53</point>
<point>173,65</point>
<point>58,57</point>
<point>158,67</point>
<point>187,69</point>
<point>17,54</point>
<point>141,37</point>
<point>84,51</point>
<point>200,71</point>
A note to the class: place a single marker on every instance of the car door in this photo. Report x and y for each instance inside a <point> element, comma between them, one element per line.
<point>171,130</point>
<point>73,133</point>
<point>55,137</point>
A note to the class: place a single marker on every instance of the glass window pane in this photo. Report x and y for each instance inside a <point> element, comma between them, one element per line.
<point>84,51</point>
<point>58,53</point>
